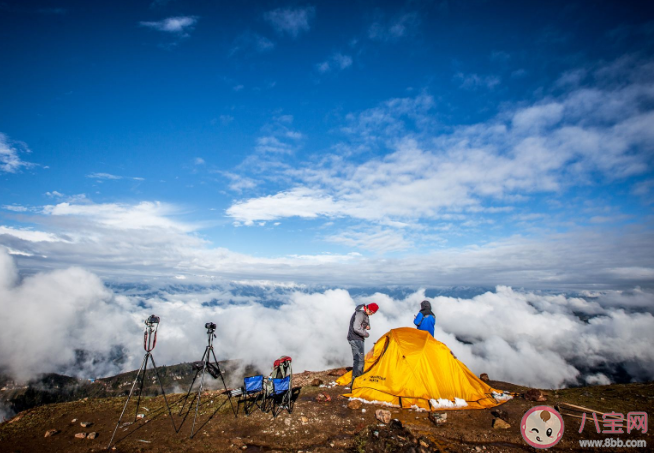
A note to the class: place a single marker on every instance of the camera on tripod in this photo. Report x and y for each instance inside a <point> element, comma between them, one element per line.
<point>152,320</point>
<point>211,327</point>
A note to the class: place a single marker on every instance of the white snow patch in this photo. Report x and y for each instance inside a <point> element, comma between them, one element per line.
<point>502,396</point>
<point>443,403</point>
<point>383,403</point>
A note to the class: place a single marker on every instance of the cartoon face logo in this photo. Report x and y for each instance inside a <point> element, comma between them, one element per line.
<point>542,427</point>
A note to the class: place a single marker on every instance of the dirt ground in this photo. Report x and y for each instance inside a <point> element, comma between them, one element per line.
<point>311,427</point>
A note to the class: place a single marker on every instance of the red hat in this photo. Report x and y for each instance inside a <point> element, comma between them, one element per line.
<point>373,307</point>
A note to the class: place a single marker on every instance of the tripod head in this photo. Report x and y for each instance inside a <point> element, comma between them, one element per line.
<point>150,333</point>
<point>211,328</point>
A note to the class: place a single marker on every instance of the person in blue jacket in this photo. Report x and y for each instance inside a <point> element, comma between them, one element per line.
<point>425,320</point>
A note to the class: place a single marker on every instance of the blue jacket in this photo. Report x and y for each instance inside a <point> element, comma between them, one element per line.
<point>425,323</point>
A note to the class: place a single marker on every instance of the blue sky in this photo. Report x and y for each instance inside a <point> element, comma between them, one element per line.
<point>358,143</point>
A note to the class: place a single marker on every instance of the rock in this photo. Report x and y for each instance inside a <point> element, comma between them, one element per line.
<point>81,435</point>
<point>534,395</point>
<point>74,420</point>
<point>304,420</point>
<point>383,416</point>
<point>484,377</point>
<point>500,413</point>
<point>323,398</point>
<point>51,432</point>
<point>338,372</point>
<point>317,382</point>
<point>92,435</point>
<point>287,422</point>
<point>85,424</point>
<point>437,418</point>
<point>238,442</point>
<point>355,404</point>
<point>498,423</point>
<point>16,418</point>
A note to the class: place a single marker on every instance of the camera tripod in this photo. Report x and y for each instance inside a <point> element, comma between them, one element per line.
<point>149,342</point>
<point>205,365</point>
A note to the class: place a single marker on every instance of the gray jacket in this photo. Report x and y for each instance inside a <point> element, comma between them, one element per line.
<point>358,324</point>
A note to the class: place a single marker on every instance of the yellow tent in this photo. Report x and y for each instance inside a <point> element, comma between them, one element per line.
<point>408,367</point>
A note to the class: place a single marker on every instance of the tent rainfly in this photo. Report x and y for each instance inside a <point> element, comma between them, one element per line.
<point>410,368</point>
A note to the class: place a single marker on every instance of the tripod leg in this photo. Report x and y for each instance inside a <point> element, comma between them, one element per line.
<point>163,392</point>
<point>191,387</point>
<point>188,393</point>
<point>138,401</point>
<point>229,395</point>
<point>197,405</point>
<point>128,398</point>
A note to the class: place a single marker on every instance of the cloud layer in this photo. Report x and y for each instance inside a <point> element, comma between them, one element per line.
<point>68,321</point>
<point>149,241</point>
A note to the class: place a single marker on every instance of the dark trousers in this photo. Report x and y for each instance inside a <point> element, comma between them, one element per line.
<point>357,355</point>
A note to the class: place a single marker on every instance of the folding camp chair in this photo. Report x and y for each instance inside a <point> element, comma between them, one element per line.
<point>281,397</point>
<point>279,387</point>
<point>253,393</point>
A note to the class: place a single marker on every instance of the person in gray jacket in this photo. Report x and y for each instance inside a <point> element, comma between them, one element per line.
<point>356,335</point>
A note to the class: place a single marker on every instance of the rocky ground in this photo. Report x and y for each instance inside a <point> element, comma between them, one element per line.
<point>322,421</point>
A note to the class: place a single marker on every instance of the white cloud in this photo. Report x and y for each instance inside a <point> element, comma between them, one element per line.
<point>378,240</point>
<point>291,21</point>
<point>644,188</point>
<point>300,202</point>
<point>271,144</point>
<point>539,116</point>
<point>398,27</point>
<point>10,161</point>
<point>251,42</point>
<point>144,215</point>
<point>106,176</point>
<point>225,119</point>
<point>475,81</point>
<point>180,25</point>
<point>15,208</point>
<point>29,235</point>
<point>279,138</point>
<point>337,62</point>
<point>239,183</point>
<point>85,316</point>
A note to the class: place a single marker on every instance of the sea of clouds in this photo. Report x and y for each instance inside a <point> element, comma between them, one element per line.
<point>69,321</point>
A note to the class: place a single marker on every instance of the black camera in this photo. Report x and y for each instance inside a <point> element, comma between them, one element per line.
<point>152,320</point>
<point>210,326</point>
